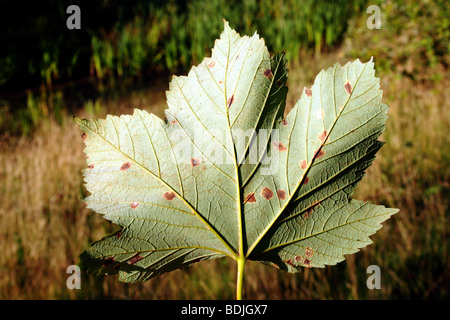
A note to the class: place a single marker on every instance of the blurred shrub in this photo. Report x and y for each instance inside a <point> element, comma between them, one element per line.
<point>174,35</point>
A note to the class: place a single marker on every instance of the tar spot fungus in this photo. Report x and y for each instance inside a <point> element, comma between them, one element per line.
<point>309,252</point>
<point>308,92</point>
<point>211,64</point>
<point>135,259</point>
<point>307,214</point>
<point>311,208</point>
<point>268,73</point>
<point>230,101</point>
<point>267,193</point>
<point>169,195</point>
<point>108,262</point>
<point>307,263</point>
<point>289,262</point>
<point>281,194</point>
<point>279,146</point>
<point>319,153</point>
<point>250,198</point>
<point>125,166</point>
<point>303,164</point>
<point>323,136</point>
<point>134,205</point>
<point>195,162</point>
<point>348,87</point>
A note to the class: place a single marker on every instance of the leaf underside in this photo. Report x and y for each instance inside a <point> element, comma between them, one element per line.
<point>226,174</point>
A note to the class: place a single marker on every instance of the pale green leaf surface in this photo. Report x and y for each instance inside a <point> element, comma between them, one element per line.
<point>226,175</point>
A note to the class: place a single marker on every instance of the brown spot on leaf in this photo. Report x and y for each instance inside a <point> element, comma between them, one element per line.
<point>135,259</point>
<point>284,122</point>
<point>211,64</point>
<point>91,166</point>
<point>309,252</point>
<point>267,193</point>
<point>307,263</point>
<point>230,101</point>
<point>195,162</point>
<point>169,195</point>
<point>119,235</point>
<point>319,153</point>
<point>108,262</point>
<point>348,87</point>
<point>323,136</point>
<point>306,180</point>
<point>84,136</point>
<point>279,83</point>
<point>268,73</point>
<point>281,194</point>
<point>298,258</point>
<point>125,166</point>
<point>308,92</point>
<point>311,209</point>
<point>220,81</point>
<point>289,262</point>
<point>303,164</point>
<point>315,203</point>
<point>134,205</point>
<point>250,198</point>
<point>279,146</point>
<point>174,121</point>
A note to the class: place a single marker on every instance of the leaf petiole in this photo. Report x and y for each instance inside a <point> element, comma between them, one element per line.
<point>240,277</point>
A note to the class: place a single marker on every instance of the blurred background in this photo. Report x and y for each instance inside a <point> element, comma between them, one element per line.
<point>123,58</point>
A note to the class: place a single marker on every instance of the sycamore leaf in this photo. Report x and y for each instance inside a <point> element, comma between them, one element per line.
<point>225,174</point>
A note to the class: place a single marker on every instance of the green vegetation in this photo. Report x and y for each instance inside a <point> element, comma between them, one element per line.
<point>154,35</point>
<point>44,225</point>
